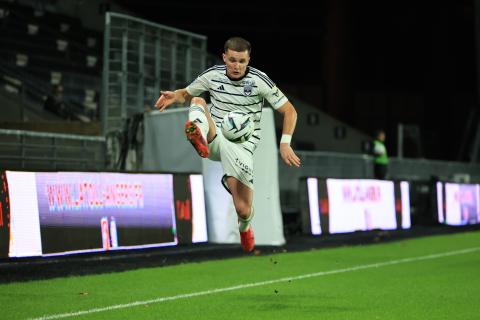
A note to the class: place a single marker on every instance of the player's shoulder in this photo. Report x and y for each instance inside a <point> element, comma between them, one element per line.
<point>261,76</point>
<point>214,70</point>
<point>256,71</point>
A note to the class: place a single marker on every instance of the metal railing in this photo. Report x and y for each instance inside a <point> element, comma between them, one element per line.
<point>33,91</point>
<point>141,58</point>
<point>30,150</point>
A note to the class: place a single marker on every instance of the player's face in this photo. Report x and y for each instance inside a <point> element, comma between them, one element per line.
<point>236,63</point>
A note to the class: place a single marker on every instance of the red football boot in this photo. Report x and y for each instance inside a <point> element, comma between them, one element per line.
<point>194,135</point>
<point>247,240</point>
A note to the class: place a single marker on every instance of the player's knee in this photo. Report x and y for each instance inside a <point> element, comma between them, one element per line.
<point>243,210</point>
<point>199,101</point>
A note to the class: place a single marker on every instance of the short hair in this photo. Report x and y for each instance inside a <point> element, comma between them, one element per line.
<point>237,44</point>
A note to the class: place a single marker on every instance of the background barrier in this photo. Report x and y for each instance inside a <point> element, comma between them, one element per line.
<point>55,213</point>
<point>458,204</point>
<point>348,205</point>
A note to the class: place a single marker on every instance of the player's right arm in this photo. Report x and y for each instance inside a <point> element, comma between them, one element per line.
<point>199,85</point>
<point>170,97</point>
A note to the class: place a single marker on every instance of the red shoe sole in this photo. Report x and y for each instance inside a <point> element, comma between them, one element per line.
<point>195,137</point>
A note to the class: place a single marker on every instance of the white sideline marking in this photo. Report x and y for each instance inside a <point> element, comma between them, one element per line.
<point>255,284</point>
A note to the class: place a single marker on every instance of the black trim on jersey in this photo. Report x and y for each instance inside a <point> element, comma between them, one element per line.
<point>248,150</point>
<point>250,112</point>
<point>236,104</point>
<point>255,137</point>
<point>220,108</point>
<point>266,82</point>
<point>232,94</point>
<point>217,67</point>
<point>261,108</point>
<point>216,116</point>
<point>232,84</point>
<point>224,183</point>
<point>261,74</point>
<point>214,137</point>
<point>264,78</point>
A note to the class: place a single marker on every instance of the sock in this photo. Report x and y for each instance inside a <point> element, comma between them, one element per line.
<point>244,224</point>
<point>196,114</point>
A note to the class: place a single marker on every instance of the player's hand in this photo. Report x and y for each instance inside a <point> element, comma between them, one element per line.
<point>288,155</point>
<point>166,99</point>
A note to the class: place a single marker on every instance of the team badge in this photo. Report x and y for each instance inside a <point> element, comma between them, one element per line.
<point>247,87</point>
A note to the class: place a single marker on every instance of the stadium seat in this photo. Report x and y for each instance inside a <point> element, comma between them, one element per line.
<point>46,48</point>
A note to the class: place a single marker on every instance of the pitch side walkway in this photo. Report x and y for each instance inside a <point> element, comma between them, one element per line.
<point>25,269</point>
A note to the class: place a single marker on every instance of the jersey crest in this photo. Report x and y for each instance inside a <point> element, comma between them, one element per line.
<point>247,87</point>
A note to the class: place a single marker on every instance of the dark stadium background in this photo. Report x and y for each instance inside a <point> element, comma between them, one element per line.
<point>372,64</point>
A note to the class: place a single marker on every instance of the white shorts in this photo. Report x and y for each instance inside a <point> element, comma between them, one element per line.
<point>236,161</point>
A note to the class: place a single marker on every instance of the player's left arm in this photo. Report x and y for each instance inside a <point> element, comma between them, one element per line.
<point>289,121</point>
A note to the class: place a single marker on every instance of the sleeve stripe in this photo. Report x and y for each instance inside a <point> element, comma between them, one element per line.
<point>263,77</point>
<point>218,67</point>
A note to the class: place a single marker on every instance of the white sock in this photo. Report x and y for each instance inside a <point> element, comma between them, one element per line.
<point>196,113</point>
<point>244,224</point>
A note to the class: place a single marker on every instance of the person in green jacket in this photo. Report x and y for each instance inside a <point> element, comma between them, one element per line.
<point>380,168</point>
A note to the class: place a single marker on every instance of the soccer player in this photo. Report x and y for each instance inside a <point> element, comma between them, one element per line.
<point>233,86</point>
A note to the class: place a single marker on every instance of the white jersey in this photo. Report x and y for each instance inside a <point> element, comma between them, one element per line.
<point>245,94</point>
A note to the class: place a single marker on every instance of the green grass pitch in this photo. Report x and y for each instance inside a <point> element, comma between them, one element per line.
<point>423,278</point>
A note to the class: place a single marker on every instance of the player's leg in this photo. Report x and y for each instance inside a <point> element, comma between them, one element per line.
<point>200,126</point>
<point>237,163</point>
<point>242,200</point>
